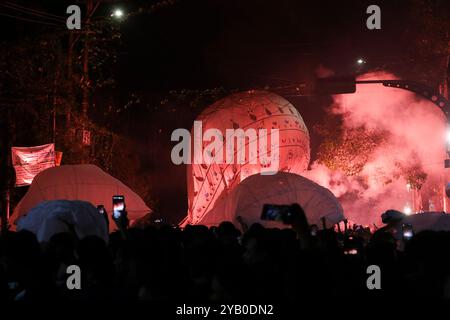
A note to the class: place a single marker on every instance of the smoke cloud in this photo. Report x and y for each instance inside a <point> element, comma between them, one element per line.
<point>415,137</point>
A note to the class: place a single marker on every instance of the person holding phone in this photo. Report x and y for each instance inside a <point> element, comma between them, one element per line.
<point>101,209</point>
<point>119,214</point>
<point>407,231</point>
<point>293,215</point>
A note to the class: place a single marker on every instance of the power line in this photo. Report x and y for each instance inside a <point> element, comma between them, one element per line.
<point>32,13</point>
<point>34,10</point>
<point>28,20</point>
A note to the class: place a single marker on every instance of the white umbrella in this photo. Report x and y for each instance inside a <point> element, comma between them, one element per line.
<point>51,217</point>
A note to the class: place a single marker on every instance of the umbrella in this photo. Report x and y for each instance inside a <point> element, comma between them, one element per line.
<point>51,217</point>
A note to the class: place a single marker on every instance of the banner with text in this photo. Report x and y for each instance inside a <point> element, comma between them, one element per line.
<point>29,161</point>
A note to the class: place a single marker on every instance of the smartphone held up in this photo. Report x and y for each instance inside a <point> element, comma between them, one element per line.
<point>118,207</point>
<point>281,213</point>
<point>101,209</point>
<point>407,231</point>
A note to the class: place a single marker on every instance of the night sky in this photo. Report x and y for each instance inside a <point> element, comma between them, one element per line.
<point>239,44</point>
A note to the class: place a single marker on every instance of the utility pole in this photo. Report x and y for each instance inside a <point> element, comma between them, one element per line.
<point>91,7</point>
<point>54,101</point>
<point>70,55</point>
<point>85,83</point>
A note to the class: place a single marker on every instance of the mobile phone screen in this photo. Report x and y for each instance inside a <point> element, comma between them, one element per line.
<point>351,251</point>
<point>407,231</point>
<point>273,212</point>
<point>101,209</point>
<point>118,206</point>
<point>313,229</point>
<point>350,246</point>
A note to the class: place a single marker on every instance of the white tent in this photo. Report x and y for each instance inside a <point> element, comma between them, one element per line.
<point>79,182</point>
<point>248,198</point>
<point>51,217</point>
<point>245,110</point>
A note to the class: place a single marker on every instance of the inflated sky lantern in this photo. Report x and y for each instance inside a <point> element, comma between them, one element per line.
<point>247,199</point>
<point>247,133</point>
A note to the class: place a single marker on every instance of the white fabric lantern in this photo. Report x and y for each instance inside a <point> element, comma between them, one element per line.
<point>248,198</point>
<point>258,110</point>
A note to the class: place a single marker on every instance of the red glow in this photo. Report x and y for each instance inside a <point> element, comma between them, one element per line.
<point>416,137</point>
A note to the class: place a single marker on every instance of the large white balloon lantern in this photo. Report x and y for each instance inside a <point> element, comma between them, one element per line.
<point>251,111</point>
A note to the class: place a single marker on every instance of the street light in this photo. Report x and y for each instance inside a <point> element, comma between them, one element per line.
<point>407,210</point>
<point>447,142</point>
<point>117,13</point>
<point>360,61</point>
<point>447,136</point>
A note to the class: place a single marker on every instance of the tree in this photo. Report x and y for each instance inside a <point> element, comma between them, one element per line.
<point>346,149</point>
<point>349,150</point>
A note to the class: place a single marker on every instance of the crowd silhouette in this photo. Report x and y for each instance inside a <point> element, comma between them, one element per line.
<point>223,263</point>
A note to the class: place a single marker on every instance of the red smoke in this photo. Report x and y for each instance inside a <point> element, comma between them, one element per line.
<point>416,136</point>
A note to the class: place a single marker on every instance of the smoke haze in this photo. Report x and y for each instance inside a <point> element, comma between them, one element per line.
<point>415,137</point>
